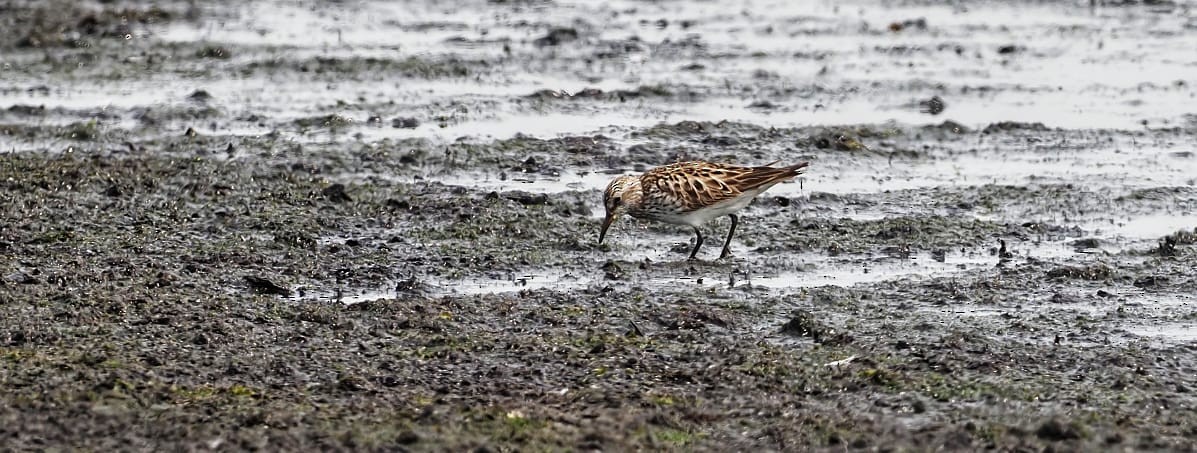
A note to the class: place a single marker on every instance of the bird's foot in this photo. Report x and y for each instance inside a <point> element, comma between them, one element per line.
<point>726,257</point>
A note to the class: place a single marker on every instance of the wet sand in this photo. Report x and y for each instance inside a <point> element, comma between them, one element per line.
<point>372,226</point>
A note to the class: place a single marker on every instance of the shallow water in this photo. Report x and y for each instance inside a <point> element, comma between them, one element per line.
<point>1182,333</point>
<point>1103,67</point>
<point>817,270</point>
<point>1093,74</point>
<point>1151,227</point>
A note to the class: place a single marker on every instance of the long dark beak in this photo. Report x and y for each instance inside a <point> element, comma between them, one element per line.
<point>606,224</point>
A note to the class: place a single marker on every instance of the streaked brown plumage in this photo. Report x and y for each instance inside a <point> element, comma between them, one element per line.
<point>691,193</point>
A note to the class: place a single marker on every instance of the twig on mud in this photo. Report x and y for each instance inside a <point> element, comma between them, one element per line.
<point>635,329</point>
<point>840,362</point>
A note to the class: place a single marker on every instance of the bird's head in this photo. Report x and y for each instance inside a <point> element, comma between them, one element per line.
<point>622,191</point>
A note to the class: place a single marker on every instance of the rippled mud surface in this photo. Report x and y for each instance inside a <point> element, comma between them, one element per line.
<point>371,226</point>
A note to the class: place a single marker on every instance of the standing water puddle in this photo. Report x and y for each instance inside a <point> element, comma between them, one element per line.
<point>823,272</point>
<point>1167,310</point>
<point>1182,333</point>
<point>838,55</point>
<point>844,274</point>
<point>821,62</point>
<point>1134,312</point>
<point>1156,226</point>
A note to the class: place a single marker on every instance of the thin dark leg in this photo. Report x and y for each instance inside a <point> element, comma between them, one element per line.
<point>727,245</point>
<point>697,243</point>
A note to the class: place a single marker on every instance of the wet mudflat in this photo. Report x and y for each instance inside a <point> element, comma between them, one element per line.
<point>371,226</point>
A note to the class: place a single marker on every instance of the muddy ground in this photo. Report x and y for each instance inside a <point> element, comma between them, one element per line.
<point>371,226</point>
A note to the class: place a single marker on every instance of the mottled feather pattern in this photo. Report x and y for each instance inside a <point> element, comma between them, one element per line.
<point>687,186</point>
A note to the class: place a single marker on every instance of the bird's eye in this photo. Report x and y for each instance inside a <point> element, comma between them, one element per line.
<point>615,201</point>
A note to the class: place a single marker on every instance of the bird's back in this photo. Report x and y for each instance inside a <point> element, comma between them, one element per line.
<point>673,192</point>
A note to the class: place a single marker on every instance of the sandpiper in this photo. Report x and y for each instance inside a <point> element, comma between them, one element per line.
<point>692,193</point>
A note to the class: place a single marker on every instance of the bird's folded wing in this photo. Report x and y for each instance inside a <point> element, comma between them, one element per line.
<point>701,184</point>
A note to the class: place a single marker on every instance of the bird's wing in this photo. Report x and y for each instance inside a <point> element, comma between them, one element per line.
<point>699,184</point>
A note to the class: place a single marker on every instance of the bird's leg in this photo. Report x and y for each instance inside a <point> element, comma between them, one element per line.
<point>697,243</point>
<point>727,244</point>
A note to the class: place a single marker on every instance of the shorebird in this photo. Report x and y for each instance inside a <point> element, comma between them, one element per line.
<point>691,194</point>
